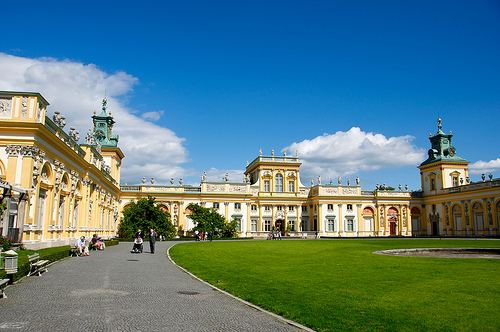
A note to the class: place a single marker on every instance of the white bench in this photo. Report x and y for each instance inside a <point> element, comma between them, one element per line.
<point>37,265</point>
<point>2,283</point>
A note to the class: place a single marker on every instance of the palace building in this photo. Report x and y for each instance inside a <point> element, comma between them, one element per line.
<point>56,190</point>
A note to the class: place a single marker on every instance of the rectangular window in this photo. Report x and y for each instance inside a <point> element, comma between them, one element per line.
<point>267,208</point>
<point>237,206</point>
<point>61,211</point>
<point>349,207</point>
<point>254,207</point>
<point>457,219</point>
<point>330,207</point>
<point>41,209</point>
<point>215,205</point>
<point>350,225</point>
<point>279,183</point>
<point>479,220</point>
<point>292,225</point>
<point>331,225</point>
<point>304,208</point>
<point>279,208</point>
<point>433,184</point>
<point>238,229</point>
<point>415,223</point>
<point>368,223</point>
<point>291,208</point>
<point>267,225</point>
<point>455,181</point>
<point>253,225</point>
<point>266,185</point>
<point>291,186</point>
<point>75,213</point>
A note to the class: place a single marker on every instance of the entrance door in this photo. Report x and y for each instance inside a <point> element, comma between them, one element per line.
<point>392,228</point>
<point>434,228</point>
<point>280,225</point>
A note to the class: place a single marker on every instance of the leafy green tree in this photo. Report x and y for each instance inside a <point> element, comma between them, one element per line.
<point>145,214</point>
<point>230,228</point>
<point>206,219</point>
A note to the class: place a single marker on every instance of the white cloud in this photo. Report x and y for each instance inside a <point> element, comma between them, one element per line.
<point>153,116</point>
<point>483,167</point>
<point>76,90</point>
<point>347,153</point>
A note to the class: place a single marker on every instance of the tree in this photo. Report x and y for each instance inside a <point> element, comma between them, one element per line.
<point>206,219</point>
<point>145,214</point>
<point>230,228</point>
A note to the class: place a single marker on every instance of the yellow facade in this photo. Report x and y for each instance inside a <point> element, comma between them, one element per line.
<point>64,190</point>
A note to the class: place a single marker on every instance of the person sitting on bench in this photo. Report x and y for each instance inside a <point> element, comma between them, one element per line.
<point>84,250</point>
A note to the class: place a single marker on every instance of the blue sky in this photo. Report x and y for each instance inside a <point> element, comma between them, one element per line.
<point>355,86</point>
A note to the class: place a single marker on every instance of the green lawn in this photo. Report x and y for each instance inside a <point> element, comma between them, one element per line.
<point>339,285</point>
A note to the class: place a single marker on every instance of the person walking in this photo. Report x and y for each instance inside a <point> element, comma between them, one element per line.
<point>210,234</point>
<point>152,240</point>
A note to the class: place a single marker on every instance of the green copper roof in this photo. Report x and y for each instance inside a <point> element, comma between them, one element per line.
<point>441,148</point>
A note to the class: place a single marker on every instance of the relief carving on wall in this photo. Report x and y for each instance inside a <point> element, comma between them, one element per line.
<point>349,191</point>
<point>330,191</point>
<point>215,188</point>
<point>237,189</point>
<point>5,108</point>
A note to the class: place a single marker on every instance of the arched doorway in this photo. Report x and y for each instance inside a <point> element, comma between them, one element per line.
<point>392,218</point>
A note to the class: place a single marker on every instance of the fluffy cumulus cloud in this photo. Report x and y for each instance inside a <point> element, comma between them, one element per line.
<point>153,116</point>
<point>347,153</point>
<point>483,167</point>
<point>76,90</point>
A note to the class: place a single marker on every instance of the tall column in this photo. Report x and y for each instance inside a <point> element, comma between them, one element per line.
<point>360,223</point>
<point>226,211</point>
<point>298,226</point>
<point>7,194</point>
<point>320,218</point>
<point>12,155</point>
<point>341,220</point>
<point>259,224</point>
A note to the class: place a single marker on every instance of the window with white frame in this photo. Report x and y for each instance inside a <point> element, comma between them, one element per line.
<point>292,225</point>
<point>415,223</point>
<point>368,223</point>
<point>237,206</point>
<point>304,208</point>
<point>478,216</point>
<point>330,207</point>
<point>75,213</point>
<point>330,224</point>
<point>457,217</point>
<point>267,208</point>
<point>278,183</point>
<point>291,208</point>
<point>61,210</point>
<point>267,225</point>
<point>266,185</point>
<point>279,208</point>
<point>291,186</point>
<point>349,224</point>
<point>253,225</point>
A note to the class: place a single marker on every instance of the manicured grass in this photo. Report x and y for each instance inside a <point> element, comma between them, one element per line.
<point>339,285</point>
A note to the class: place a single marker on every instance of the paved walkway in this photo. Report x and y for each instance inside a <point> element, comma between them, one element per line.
<point>114,290</point>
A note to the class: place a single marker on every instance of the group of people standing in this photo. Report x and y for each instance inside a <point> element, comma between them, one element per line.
<point>203,236</point>
<point>274,235</point>
<point>139,240</point>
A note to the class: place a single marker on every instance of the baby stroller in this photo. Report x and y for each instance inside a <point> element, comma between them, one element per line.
<point>137,249</point>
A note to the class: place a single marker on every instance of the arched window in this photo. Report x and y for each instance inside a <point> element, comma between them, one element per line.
<point>279,183</point>
<point>415,219</point>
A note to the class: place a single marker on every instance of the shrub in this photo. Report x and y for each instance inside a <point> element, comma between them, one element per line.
<point>5,243</point>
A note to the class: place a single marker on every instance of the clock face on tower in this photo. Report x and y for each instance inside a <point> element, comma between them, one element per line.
<point>99,135</point>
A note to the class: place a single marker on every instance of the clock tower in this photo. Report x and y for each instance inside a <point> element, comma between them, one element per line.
<point>103,126</point>
<point>443,168</point>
